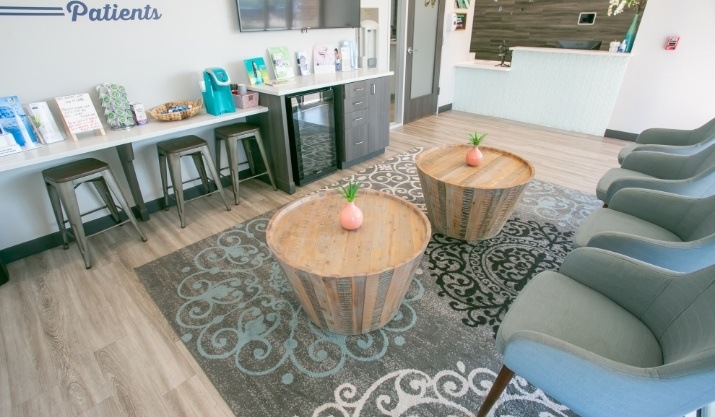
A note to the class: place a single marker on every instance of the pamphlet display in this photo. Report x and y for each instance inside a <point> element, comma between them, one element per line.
<point>282,63</point>
<point>15,122</point>
<point>78,114</point>
<point>304,62</point>
<point>8,145</point>
<point>257,71</point>
<point>346,57</point>
<point>43,122</point>
<point>324,58</point>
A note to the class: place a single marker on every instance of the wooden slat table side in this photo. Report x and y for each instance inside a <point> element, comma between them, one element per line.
<point>349,282</point>
<point>471,203</point>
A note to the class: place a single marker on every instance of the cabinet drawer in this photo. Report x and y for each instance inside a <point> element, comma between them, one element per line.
<point>355,90</point>
<point>356,141</point>
<point>355,103</point>
<point>355,118</point>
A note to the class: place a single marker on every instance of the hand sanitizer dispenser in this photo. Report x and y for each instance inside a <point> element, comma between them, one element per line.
<point>216,90</point>
<point>368,44</point>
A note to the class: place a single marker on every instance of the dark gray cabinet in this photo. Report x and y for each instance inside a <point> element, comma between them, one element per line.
<point>362,120</point>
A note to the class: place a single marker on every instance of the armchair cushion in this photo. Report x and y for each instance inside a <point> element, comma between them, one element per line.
<point>610,335</point>
<point>557,306</point>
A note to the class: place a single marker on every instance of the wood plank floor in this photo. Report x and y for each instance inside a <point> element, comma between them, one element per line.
<point>77,342</point>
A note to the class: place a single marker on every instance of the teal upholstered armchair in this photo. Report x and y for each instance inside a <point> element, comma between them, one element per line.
<point>668,230</point>
<point>609,335</point>
<point>671,140</point>
<point>679,174</point>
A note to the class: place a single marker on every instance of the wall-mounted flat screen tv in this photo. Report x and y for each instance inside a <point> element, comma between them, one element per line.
<point>257,15</point>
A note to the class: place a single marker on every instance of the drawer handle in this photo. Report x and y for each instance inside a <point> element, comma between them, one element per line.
<point>357,120</point>
<point>357,103</point>
<point>358,143</point>
<point>358,89</point>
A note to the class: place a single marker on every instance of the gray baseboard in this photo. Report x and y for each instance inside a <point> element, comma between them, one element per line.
<point>617,134</point>
<point>446,107</point>
<point>708,411</point>
<point>53,240</point>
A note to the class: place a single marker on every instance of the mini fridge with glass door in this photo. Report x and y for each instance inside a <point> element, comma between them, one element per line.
<point>311,125</point>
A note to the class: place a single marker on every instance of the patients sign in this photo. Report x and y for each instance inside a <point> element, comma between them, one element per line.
<point>79,10</point>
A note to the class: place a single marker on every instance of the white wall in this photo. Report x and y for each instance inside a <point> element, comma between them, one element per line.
<point>673,89</point>
<point>454,50</point>
<point>383,33</point>
<point>156,60</point>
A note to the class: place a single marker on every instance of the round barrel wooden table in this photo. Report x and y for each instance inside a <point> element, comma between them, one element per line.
<point>349,282</point>
<point>471,203</point>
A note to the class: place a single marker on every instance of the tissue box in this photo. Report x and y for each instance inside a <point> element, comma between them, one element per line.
<point>247,100</point>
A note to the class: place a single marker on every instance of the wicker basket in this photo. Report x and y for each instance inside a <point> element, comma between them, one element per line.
<point>157,112</point>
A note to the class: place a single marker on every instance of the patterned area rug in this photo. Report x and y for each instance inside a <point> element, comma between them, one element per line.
<point>229,302</point>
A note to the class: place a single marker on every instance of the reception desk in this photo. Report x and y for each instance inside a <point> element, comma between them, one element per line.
<point>567,89</point>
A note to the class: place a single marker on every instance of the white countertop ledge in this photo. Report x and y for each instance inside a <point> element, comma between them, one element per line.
<point>483,64</point>
<point>571,51</point>
<point>304,83</point>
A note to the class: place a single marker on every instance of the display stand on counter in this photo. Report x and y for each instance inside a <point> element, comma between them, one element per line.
<point>79,115</point>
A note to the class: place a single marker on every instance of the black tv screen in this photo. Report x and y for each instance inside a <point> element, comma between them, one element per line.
<point>257,15</point>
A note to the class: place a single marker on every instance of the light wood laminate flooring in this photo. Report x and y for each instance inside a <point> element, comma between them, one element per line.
<point>77,342</point>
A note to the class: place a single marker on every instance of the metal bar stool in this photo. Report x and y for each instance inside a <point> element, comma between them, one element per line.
<point>61,182</point>
<point>231,135</point>
<point>172,150</point>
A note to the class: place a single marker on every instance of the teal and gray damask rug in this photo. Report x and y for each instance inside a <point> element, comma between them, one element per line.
<point>229,302</point>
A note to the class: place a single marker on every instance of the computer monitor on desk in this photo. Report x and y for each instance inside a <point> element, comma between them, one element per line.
<point>594,45</point>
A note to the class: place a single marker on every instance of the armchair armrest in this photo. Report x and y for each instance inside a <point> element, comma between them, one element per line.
<point>682,257</point>
<point>663,136</point>
<point>660,208</point>
<point>630,283</point>
<point>673,186</point>
<point>658,164</point>
<point>675,149</point>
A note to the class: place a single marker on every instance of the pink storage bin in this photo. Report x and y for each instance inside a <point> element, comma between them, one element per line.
<point>247,100</point>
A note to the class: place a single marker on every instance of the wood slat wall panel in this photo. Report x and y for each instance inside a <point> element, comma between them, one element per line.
<point>541,23</point>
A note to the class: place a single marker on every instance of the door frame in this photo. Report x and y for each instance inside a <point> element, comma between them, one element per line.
<point>426,105</point>
<point>400,58</point>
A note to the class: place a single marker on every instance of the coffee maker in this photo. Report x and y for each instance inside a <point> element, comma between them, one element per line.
<point>216,90</point>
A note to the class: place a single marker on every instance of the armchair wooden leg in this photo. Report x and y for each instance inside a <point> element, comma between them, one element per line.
<point>500,383</point>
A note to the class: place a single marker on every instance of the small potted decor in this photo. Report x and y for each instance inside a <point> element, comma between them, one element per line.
<point>474,155</point>
<point>350,216</point>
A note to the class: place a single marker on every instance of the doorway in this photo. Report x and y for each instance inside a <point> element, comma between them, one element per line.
<point>415,57</point>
